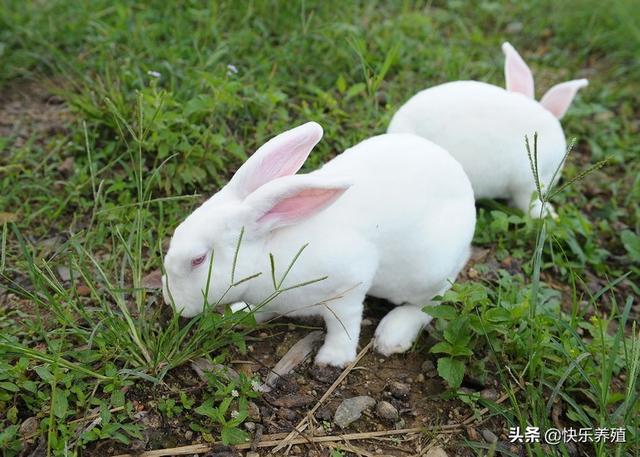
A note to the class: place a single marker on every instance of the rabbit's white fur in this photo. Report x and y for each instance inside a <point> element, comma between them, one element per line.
<point>392,217</point>
<point>484,127</point>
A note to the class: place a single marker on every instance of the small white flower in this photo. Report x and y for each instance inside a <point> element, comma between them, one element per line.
<point>232,70</point>
<point>255,385</point>
<point>234,414</point>
<point>234,393</point>
<point>155,74</point>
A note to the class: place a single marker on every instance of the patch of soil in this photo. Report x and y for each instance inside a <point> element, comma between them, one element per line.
<point>408,382</point>
<point>28,109</point>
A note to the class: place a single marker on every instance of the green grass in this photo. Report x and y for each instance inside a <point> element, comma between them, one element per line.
<point>557,326</point>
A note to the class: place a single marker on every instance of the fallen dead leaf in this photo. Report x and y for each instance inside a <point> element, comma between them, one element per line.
<point>153,280</point>
<point>7,217</point>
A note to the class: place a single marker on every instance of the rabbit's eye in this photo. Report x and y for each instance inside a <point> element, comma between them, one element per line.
<point>198,260</point>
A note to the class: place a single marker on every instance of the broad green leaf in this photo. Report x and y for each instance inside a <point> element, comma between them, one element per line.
<point>233,435</point>
<point>447,312</point>
<point>631,243</point>
<point>9,386</point>
<point>451,370</point>
<point>207,409</point>
<point>117,398</point>
<point>59,403</point>
<point>442,347</point>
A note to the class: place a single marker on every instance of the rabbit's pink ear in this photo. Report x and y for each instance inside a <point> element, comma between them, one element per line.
<point>282,155</point>
<point>293,199</point>
<point>517,74</point>
<point>559,97</point>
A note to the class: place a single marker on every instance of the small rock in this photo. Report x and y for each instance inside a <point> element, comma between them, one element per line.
<point>489,394</point>
<point>420,378</point>
<point>514,27</point>
<point>325,374</point>
<point>252,454</point>
<point>83,290</point>
<point>203,366</point>
<point>67,167</point>
<point>148,419</point>
<point>250,426</point>
<point>287,414</point>
<point>289,401</point>
<point>429,369</point>
<point>366,322</point>
<point>29,427</point>
<point>64,273</point>
<point>387,411</point>
<point>436,452</point>
<point>188,435</point>
<point>138,445</point>
<point>472,433</point>
<point>489,436</point>
<point>399,390</point>
<point>253,412</point>
<point>153,280</point>
<point>324,414</point>
<point>400,424</point>
<point>351,409</point>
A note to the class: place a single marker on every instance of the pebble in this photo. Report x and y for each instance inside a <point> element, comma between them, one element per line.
<point>514,27</point>
<point>29,426</point>
<point>252,454</point>
<point>420,378</point>
<point>429,369</point>
<point>287,414</point>
<point>489,394</point>
<point>324,414</point>
<point>472,433</point>
<point>399,390</point>
<point>188,435</point>
<point>351,409</point>
<point>325,374</point>
<point>64,273</point>
<point>250,426</point>
<point>253,412</point>
<point>387,411</point>
<point>436,452</point>
<point>83,290</point>
<point>489,436</point>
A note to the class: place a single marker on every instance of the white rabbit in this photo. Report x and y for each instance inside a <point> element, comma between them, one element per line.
<point>393,217</point>
<point>484,127</point>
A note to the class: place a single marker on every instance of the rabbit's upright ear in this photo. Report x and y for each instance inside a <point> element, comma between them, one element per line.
<point>292,199</point>
<point>517,74</point>
<point>559,97</point>
<point>280,156</point>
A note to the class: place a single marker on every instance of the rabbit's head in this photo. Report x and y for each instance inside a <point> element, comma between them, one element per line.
<point>205,256</point>
<point>519,79</point>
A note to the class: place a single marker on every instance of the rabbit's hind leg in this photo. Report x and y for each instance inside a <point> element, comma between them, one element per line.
<point>397,331</point>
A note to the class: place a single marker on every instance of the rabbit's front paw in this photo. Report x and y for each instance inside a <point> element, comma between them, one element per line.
<point>335,356</point>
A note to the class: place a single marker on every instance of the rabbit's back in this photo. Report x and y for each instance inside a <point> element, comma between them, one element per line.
<point>484,127</point>
<point>412,202</point>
